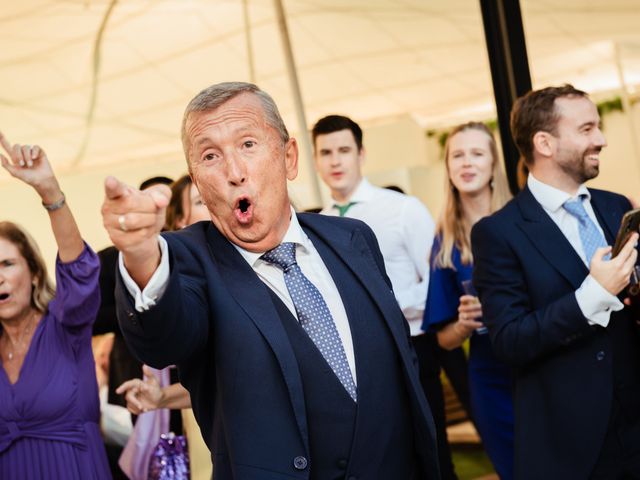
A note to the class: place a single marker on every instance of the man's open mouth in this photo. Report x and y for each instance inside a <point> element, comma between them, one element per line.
<point>3,296</point>
<point>243,205</point>
<point>243,210</point>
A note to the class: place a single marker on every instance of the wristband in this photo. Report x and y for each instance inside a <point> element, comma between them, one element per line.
<point>52,207</point>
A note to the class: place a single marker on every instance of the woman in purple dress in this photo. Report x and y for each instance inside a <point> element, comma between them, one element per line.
<point>49,409</point>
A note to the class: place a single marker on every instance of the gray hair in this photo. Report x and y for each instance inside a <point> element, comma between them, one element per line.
<point>214,96</point>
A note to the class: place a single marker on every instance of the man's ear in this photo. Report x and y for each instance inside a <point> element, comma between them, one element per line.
<point>362,155</point>
<point>291,158</point>
<point>544,144</point>
<point>193,178</point>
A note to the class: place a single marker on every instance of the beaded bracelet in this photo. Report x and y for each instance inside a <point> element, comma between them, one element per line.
<point>58,204</point>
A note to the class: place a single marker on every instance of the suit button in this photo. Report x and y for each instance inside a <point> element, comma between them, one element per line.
<point>342,463</point>
<point>130,314</point>
<point>300,463</point>
<point>600,355</point>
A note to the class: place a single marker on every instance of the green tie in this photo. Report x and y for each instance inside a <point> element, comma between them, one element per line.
<point>342,209</point>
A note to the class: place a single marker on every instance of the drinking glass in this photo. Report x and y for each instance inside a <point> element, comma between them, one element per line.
<point>469,289</point>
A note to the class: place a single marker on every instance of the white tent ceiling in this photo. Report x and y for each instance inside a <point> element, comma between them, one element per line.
<point>370,59</point>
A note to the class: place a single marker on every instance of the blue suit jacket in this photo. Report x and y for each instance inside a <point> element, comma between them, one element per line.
<point>526,273</point>
<point>216,320</point>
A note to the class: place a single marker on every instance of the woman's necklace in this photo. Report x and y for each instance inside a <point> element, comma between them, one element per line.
<point>20,343</point>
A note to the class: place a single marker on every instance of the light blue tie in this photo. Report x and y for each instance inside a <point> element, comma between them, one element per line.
<point>590,236</point>
<point>313,313</point>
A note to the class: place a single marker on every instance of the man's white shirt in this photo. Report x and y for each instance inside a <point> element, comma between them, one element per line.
<point>405,230</point>
<point>594,301</point>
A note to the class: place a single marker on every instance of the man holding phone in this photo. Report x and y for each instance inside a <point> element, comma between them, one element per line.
<point>551,298</point>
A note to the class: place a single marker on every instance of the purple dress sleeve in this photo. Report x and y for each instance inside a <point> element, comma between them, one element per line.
<point>49,418</point>
<point>77,291</point>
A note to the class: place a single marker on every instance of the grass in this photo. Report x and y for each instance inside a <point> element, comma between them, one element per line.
<point>470,461</point>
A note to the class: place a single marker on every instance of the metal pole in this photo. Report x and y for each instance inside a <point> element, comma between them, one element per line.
<point>305,139</point>
<point>247,35</point>
<point>507,50</point>
<point>626,102</point>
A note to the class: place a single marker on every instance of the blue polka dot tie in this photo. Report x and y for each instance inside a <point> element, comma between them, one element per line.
<point>590,237</point>
<point>313,313</point>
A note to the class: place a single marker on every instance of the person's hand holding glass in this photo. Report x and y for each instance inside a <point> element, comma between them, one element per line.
<point>470,311</point>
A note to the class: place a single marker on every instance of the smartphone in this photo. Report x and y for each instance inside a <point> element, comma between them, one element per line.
<point>630,223</point>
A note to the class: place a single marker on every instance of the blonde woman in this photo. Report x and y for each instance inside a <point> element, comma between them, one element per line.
<point>476,187</point>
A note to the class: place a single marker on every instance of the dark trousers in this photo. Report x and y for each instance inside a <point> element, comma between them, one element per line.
<point>454,364</point>
<point>426,347</point>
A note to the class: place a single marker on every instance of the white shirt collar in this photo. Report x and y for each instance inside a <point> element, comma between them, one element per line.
<point>294,234</point>
<point>552,198</point>
<point>364,192</point>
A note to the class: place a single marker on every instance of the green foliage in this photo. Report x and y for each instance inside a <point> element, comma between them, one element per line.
<point>604,108</point>
<point>609,106</point>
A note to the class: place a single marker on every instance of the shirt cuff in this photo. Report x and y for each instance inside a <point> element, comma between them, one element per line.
<point>596,303</point>
<point>147,298</point>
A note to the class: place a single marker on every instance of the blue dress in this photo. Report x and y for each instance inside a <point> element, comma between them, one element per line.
<point>490,381</point>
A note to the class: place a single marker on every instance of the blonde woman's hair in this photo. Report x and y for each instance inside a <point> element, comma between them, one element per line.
<point>453,226</point>
<point>43,290</point>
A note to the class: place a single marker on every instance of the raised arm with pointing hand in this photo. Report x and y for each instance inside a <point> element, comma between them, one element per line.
<point>45,339</point>
<point>133,219</point>
<point>29,163</point>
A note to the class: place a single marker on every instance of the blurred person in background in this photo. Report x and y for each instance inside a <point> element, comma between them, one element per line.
<point>115,421</point>
<point>476,187</point>
<point>49,407</point>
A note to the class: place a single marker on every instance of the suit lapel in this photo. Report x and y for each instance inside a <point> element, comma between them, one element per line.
<point>354,251</point>
<point>608,215</point>
<point>252,296</point>
<point>549,240</point>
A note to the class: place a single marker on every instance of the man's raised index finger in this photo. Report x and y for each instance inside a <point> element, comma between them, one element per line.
<point>5,143</point>
<point>114,188</point>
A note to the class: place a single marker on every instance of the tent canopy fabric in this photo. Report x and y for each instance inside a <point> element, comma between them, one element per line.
<point>105,82</point>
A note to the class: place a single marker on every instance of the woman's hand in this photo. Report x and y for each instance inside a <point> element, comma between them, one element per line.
<point>469,311</point>
<point>456,332</point>
<point>30,164</point>
<point>142,396</point>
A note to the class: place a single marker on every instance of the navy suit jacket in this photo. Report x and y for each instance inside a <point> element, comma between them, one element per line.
<point>526,273</point>
<point>218,323</point>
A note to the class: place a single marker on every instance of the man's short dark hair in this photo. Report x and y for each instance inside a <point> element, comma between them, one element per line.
<point>335,123</point>
<point>536,112</point>
<point>159,180</point>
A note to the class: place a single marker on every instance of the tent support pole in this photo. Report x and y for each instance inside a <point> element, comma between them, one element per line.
<point>297,96</point>
<point>247,35</point>
<point>507,50</point>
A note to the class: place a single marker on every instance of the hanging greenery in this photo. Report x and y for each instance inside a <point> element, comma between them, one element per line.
<point>604,108</point>
<point>608,106</point>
